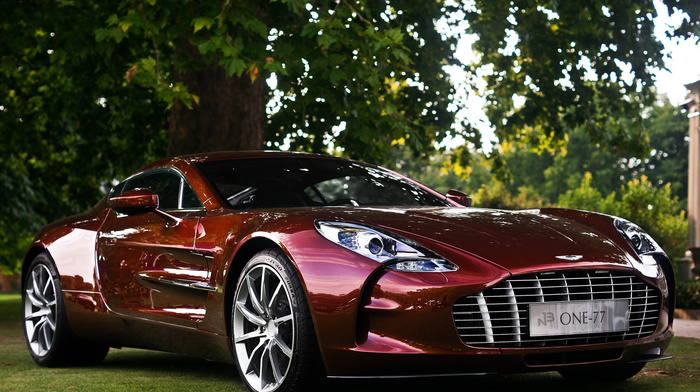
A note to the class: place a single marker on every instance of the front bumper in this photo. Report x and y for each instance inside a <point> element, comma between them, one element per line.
<point>406,328</point>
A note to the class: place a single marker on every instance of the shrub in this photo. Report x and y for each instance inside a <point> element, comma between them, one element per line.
<point>688,294</point>
<point>497,196</point>
<point>654,209</point>
<point>15,239</point>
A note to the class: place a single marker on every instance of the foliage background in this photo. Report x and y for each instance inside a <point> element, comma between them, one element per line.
<point>88,91</point>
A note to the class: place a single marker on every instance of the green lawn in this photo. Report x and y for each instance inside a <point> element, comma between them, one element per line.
<point>131,369</point>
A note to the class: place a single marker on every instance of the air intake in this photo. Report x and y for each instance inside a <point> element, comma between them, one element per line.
<point>498,316</point>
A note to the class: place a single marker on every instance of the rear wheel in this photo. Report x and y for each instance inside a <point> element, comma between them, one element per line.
<point>602,374</point>
<point>49,337</point>
<point>272,333</point>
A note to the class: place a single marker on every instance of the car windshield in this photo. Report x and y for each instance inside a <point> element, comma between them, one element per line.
<point>305,182</point>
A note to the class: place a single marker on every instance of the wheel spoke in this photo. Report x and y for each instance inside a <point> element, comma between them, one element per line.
<point>263,291</point>
<point>51,322</point>
<point>253,296</point>
<point>283,346</point>
<point>254,353</point>
<point>278,289</point>
<point>37,330</point>
<point>36,288</point>
<point>46,339</point>
<point>251,335</point>
<point>39,313</point>
<point>283,319</point>
<point>47,292</point>
<point>275,365</point>
<point>250,316</point>
<point>264,362</point>
<point>33,299</point>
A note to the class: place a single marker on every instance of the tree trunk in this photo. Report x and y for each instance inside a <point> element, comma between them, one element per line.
<point>230,114</point>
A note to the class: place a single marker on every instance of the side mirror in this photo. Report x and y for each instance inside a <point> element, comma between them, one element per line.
<point>134,202</point>
<point>459,197</point>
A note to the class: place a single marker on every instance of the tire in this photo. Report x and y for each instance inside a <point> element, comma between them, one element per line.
<point>272,333</point>
<point>47,332</point>
<point>592,374</point>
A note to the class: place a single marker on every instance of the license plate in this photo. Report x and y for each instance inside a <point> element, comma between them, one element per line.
<point>579,317</point>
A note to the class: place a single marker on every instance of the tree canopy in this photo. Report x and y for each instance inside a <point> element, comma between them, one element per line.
<point>551,173</point>
<point>90,90</point>
<point>357,73</point>
<point>555,66</point>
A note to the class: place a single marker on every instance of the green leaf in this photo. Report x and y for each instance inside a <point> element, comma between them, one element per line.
<point>202,22</point>
<point>309,30</point>
<point>125,25</point>
<point>325,40</point>
<point>102,34</point>
<point>374,81</point>
<point>148,64</point>
<point>337,76</point>
<point>236,67</point>
<point>113,20</point>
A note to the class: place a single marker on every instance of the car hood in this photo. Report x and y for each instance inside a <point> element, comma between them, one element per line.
<point>515,240</point>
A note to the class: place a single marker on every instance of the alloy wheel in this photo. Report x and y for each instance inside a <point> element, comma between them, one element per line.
<point>40,310</point>
<point>263,328</point>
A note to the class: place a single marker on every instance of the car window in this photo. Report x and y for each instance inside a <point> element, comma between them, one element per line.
<point>189,198</point>
<point>304,182</point>
<point>174,193</point>
<point>364,190</point>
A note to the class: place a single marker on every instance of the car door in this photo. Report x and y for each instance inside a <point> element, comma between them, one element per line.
<point>147,263</point>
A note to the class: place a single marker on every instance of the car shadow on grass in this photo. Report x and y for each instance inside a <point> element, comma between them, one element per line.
<point>192,369</point>
<point>529,382</point>
<point>162,362</point>
<point>521,382</point>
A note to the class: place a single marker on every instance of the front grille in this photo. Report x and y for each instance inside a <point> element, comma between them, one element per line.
<point>498,316</point>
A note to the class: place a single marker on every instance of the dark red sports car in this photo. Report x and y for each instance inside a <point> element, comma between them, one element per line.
<point>299,266</point>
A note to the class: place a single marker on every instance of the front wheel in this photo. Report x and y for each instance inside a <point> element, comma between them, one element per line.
<point>272,333</point>
<point>49,337</point>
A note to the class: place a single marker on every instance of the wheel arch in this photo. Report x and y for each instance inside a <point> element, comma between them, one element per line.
<point>254,244</point>
<point>244,253</point>
<point>33,252</point>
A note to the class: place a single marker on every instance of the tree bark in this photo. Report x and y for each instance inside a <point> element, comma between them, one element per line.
<point>230,114</point>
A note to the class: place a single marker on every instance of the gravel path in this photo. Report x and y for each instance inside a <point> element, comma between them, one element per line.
<point>687,328</point>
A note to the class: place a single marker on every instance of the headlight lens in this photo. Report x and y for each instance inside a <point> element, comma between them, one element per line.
<point>642,242</point>
<point>395,252</point>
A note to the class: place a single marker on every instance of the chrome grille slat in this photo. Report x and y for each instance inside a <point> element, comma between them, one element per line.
<point>498,316</point>
<point>597,292</point>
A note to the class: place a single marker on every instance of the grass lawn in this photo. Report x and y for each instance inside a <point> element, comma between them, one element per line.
<point>142,370</point>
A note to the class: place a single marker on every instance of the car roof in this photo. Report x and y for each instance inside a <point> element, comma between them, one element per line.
<point>226,155</point>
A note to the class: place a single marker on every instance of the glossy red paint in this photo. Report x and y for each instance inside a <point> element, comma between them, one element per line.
<point>459,197</point>
<point>140,279</point>
<point>136,255</point>
<point>71,241</point>
<point>137,201</point>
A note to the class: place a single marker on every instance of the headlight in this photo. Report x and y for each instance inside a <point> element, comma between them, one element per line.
<point>642,242</point>
<point>395,252</point>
